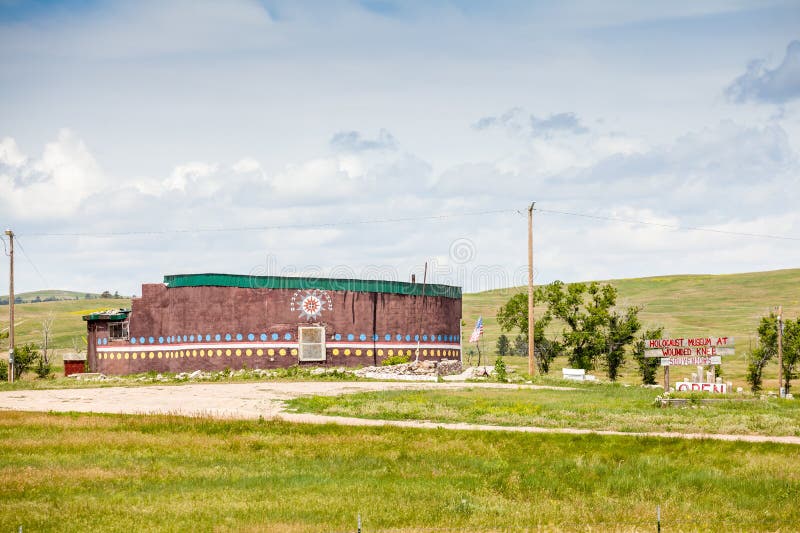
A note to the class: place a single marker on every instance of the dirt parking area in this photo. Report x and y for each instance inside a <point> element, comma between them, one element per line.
<point>231,400</point>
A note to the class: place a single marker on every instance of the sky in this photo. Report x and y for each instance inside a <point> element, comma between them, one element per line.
<point>362,139</point>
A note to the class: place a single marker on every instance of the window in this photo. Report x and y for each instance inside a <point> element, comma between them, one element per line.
<point>118,331</point>
<point>312,343</point>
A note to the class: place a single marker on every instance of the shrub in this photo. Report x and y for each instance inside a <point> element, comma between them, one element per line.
<point>500,371</point>
<point>25,357</point>
<point>395,360</point>
<point>42,368</point>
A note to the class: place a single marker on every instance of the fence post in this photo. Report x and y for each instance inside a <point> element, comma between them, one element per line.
<point>658,518</point>
<point>359,522</point>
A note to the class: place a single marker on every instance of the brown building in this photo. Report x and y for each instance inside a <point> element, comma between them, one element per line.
<point>217,321</point>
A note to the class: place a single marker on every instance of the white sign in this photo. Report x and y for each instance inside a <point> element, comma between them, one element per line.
<point>684,386</point>
<point>690,361</point>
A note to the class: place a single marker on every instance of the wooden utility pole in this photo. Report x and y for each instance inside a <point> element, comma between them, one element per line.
<point>11,307</point>
<point>781,393</point>
<point>531,318</point>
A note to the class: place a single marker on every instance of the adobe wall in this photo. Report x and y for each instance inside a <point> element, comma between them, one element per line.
<point>212,328</point>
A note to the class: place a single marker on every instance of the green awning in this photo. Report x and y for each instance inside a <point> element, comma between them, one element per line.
<point>112,315</point>
<point>328,284</point>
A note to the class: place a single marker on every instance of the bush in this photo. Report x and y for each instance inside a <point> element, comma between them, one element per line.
<point>25,357</point>
<point>3,370</point>
<point>395,360</point>
<point>42,368</point>
<point>500,371</point>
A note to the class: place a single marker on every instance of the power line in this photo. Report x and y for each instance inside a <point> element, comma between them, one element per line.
<point>29,260</point>
<point>407,219</point>
<point>273,227</point>
<point>669,226</point>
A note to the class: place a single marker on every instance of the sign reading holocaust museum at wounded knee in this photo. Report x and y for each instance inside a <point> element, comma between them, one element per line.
<point>701,351</point>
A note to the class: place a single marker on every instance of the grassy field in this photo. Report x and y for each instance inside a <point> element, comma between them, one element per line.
<point>160,473</point>
<point>598,407</point>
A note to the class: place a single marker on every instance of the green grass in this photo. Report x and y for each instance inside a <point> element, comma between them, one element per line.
<point>79,472</point>
<point>597,407</point>
<point>730,304</point>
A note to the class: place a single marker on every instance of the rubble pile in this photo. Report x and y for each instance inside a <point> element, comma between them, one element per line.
<point>413,370</point>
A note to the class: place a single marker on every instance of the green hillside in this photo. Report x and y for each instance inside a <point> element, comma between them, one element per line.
<point>50,295</point>
<point>67,323</point>
<point>730,304</point>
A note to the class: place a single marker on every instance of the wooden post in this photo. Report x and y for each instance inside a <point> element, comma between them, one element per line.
<point>781,392</point>
<point>531,318</point>
<point>666,378</point>
<point>11,307</point>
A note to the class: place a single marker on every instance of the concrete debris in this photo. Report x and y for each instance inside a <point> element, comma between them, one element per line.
<point>88,376</point>
<point>416,370</point>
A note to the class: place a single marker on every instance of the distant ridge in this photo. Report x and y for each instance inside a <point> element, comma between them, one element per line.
<point>55,295</point>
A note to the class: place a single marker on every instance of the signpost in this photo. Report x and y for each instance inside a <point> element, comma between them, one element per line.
<point>690,351</point>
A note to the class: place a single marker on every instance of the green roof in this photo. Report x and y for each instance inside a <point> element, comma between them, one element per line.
<point>328,284</point>
<point>113,315</point>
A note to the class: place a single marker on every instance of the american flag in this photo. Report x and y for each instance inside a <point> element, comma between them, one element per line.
<point>478,331</point>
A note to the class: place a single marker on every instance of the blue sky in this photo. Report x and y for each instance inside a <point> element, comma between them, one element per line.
<point>140,118</point>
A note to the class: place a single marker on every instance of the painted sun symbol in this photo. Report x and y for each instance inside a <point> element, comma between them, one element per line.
<point>311,306</point>
<point>310,303</point>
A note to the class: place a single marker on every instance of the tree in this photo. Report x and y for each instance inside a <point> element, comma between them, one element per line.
<point>595,332</point>
<point>520,346</point>
<point>47,332</point>
<point>43,366</point>
<point>514,315</point>
<point>791,351</point>
<point>25,357</point>
<point>502,345</point>
<point>620,332</point>
<point>648,366</point>
<point>767,349</point>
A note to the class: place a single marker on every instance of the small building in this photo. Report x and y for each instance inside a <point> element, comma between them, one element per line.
<point>217,321</point>
<point>74,363</point>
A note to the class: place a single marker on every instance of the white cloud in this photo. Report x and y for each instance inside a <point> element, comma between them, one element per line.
<point>53,185</point>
